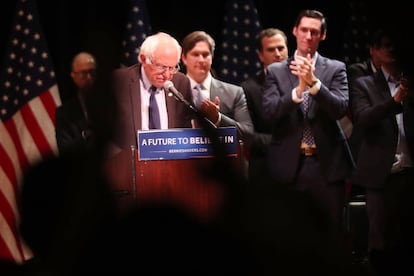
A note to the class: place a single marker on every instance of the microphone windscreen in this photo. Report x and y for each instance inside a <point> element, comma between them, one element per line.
<point>168,84</point>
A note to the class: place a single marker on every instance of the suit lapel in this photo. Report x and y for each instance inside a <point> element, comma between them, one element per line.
<point>408,121</point>
<point>171,109</point>
<point>135,96</point>
<point>214,89</point>
<point>292,78</point>
<point>382,85</point>
<point>260,78</point>
<point>319,68</point>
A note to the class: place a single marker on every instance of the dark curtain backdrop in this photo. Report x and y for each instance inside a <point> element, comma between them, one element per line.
<point>71,26</point>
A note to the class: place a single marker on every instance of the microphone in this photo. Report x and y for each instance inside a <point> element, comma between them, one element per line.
<point>169,86</point>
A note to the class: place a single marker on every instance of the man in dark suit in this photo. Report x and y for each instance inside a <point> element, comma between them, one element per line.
<point>138,90</point>
<point>371,65</point>
<point>224,104</point>
<point>377,52</point>
<point>73,125</point>
<point>272,47</point>
<point>382,106</point>
<point>367,67</point>
<point>158,62</point>
<point>317,168</point>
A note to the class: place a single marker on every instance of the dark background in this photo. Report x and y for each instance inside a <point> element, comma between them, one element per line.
<point>97,26</point>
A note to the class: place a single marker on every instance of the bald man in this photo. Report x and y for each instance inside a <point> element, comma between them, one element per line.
<point>73,128</point>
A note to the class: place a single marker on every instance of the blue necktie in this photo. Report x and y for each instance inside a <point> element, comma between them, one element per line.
<point>199,95</point>
<point>154,114</point>
<point>307,132</point>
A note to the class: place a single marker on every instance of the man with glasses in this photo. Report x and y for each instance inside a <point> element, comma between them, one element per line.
<point>73,128</point>
<point>139,90</point>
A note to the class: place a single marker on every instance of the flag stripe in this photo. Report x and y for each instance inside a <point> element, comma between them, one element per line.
<point>7,194</point>
<point>11,249</point>
<point>10,166</point>
<point>10,176</point>
<point>7,167</point>
<point>22,119</point>
<point>26,118</point>
<point>34,118</point>
<point>50,101</point>
<point>29,97</point>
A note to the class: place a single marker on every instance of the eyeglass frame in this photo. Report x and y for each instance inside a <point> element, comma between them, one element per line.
<point>162,68</point>
<point>85,73</point>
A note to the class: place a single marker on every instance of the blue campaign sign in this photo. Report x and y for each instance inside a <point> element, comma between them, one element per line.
<point>183,143</point>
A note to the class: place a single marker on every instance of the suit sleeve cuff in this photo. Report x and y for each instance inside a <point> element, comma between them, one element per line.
<point>315,88</point>
<point>295,97</point>
<point>218,120</point>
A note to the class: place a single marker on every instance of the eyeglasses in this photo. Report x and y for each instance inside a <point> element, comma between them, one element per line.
<point>85,73</point>
<point>162,68</point>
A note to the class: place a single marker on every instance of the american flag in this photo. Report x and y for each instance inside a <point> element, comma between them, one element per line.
<point>137,28</point>
<point>29,97</point>
<point>239,57</point>
<point>356,33</point>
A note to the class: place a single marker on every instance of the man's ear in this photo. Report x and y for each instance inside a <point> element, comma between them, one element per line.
<point>183,59</point>
<point>141,58</point>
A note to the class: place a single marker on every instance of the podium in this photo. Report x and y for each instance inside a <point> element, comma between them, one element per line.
<point>185,183</point>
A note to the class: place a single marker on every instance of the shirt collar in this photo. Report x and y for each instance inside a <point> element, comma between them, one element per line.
<point>205,83</point>
<point>314,58</point>
<point>374,69</point>
<point>389,77</point>
<point>144,79</point>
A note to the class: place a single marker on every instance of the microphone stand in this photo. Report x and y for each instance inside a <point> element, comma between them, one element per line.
<point>208,126</point>
<point>229,178</point>
<point>205,122</point>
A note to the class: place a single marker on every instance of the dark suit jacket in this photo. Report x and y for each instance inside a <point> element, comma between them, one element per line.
<point>233,107</point>
<point>355,71</point>
<point>326,107</point>
<point>359,69</point>
<point>253,88</point>
<point>374,111</point>
<point>72,129</point>
<point>127,92</point>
